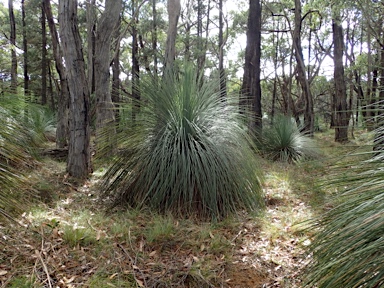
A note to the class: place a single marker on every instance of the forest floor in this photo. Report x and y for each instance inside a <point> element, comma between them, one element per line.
<point>70,240</point>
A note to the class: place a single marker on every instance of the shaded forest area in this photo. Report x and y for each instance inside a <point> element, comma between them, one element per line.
<point>191,143</point>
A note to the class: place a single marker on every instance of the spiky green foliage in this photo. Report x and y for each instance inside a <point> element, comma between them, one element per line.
<point>187,153</point>
<point>349,249</point>
<point>16,150</point>
<point>284,141</point>
<point>41,122</point>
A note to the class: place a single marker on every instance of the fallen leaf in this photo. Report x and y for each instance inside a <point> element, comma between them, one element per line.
<point>113,275</point>
<point>3,272</point>
<point>139,282</point>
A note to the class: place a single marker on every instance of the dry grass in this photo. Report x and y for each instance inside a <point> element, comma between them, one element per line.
<point>69,241</point>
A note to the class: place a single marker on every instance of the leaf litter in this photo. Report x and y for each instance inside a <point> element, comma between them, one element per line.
<point>264,251</point>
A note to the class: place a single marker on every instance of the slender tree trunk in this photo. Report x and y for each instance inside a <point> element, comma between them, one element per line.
<point>223,81</point>
<point>174,8</point>
<point>12,39</point>
<point>63,99</point>
<point>154,37</point>
<point>44,62</point>
<point>115,94</point>
<point>50,89</point>
<point>25,52</point>
<point>135,66</point>
<point>79,157</point>
<point>302,75</point>
<point>251,88</point>
<point>340,100</point>
<point>105,118</point>
<point>275,43</point>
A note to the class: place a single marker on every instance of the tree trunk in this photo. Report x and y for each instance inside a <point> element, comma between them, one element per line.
<point>251,89</point>
<point>154,37</point>
<point>12,39</point>
<point>135,66</point>
<point>25,52</point>
<point>302,75</point>
<point>115,95</point>
<point>91,39</point>
<point>223,81</point>
<point>340,100</point>
<point>44,62</point>
<point>105,118</point>
<point>174,8</point>
<point>79,158</point>
<point>63,101</point>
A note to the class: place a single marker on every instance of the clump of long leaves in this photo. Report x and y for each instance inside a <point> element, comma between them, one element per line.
<point>283,141</point>
<point>349,249</point>
<point>16,150</point>
<point>41,122</point>
<point>187,153</point>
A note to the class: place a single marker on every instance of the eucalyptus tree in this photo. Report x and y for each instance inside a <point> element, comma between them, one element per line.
<point>340,97</point>
<point>135,62</point>
<point>301,70</point>
<point>44,60</point>
<point>25,49</point>
<point>79,157</point>
<point>63,99</point>
<point>104,107</point>
<point>12,40</point>
<point>222,76</point>
<point>251,89</point>
<point>174,8</point>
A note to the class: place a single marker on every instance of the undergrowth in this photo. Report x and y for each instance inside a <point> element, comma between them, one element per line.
<point>72,241</point>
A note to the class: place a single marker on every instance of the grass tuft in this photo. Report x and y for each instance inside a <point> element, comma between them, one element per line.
<point>187,154</point>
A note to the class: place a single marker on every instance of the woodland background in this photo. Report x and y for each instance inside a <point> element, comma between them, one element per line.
<point>191,143</point>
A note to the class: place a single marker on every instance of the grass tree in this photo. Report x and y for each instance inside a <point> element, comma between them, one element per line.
<point>349,249</point>
<point>284,141</point>
<point>17,147</point>
<point>187,154</point>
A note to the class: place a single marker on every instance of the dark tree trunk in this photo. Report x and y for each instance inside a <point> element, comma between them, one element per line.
<point>12,39</point>
<point>154,37</point>
<point>25,52</point>
<point>135,66</point>
<point>302,75</point>
<point>340,100</point>
<point>251,89</point>
<point>50,89</point>
<point>223,81</point>
<point>79,157</point>
<point>63,99</point>
<point>115,94</point>
<point>44,62</point>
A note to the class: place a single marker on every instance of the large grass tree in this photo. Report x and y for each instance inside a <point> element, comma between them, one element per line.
<point>348,251</point>
<point>187,153</point>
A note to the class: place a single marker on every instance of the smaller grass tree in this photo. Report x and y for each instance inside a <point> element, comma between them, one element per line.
<point>187,153</point>
<point>284,141</point>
